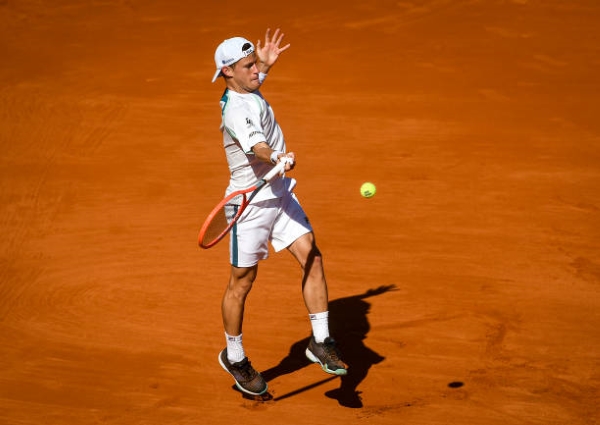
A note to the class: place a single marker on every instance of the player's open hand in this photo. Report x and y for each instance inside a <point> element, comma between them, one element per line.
<point>269,53</point>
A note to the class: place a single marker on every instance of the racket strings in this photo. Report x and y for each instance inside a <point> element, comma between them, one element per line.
<point>221,220</point>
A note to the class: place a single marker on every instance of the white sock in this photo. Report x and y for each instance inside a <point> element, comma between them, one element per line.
<point>320,325</point>
<point>235,349</point>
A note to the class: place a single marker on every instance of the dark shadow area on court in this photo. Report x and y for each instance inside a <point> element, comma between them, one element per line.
<point>349,326</point>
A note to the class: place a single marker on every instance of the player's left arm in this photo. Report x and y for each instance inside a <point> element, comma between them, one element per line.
<point>269,53</point>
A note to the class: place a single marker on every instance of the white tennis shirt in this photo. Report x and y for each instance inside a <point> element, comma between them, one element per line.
<point>248,119</point>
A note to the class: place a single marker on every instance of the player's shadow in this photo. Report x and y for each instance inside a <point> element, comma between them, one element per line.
<point>349,326</point>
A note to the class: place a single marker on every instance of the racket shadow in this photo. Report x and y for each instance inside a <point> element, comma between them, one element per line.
<point>349,326</point>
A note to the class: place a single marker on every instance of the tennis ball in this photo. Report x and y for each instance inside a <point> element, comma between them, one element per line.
<point>368,189</point>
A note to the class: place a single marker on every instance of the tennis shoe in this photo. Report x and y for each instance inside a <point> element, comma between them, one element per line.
<point>326,354</point>
<point>247,379</point>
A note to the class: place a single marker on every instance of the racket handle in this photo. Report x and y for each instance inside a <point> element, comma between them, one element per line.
<point>278,168</point>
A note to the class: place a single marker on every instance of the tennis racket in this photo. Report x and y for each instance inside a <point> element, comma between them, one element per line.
<point>227,212</point>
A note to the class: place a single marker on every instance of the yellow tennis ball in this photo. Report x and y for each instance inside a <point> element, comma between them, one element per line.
<point>368,189</point>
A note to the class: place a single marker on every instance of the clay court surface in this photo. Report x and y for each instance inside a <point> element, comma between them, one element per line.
<point>467,291</point>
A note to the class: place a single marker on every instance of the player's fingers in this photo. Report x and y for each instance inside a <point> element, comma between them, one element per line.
<point>275,35</point>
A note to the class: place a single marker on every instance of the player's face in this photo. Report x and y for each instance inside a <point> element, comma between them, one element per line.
<point>245,75</point>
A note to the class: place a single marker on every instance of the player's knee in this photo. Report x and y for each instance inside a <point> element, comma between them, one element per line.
<point>313,260</point>
<point>239,288</point>
<point>242,279</point>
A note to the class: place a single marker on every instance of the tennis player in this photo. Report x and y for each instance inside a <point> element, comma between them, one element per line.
<point>253,143</point>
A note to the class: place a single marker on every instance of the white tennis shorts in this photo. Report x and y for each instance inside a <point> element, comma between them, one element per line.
<point>280,221</point>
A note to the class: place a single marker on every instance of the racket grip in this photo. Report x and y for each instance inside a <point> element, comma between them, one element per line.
<point>278,168</point>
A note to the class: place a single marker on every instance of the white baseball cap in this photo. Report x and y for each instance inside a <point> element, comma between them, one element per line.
<point>230,51</point>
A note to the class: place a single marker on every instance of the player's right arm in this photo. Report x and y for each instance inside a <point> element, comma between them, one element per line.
<point>263,152</point>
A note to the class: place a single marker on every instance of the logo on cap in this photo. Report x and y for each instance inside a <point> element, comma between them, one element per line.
<point>247,50</point>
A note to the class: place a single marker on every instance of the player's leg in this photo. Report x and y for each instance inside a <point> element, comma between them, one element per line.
<point>321,348</point>
<point>314,285</point>
<point>234,298</point>
<point>233,358</point>
<point>248,245</point>
<point>293,231</point>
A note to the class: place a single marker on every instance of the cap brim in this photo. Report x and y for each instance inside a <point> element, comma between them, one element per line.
<point>217,75</point>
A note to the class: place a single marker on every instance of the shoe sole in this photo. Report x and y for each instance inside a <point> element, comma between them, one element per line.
<point>237,384</point>
<point>315,359</point>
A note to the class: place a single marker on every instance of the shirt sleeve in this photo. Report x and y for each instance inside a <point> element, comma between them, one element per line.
<point>243,123</point>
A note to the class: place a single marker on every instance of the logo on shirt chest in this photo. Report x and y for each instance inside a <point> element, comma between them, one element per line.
<point>250,124</point>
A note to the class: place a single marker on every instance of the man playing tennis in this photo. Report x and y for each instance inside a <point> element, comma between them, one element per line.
<point>253,143</point>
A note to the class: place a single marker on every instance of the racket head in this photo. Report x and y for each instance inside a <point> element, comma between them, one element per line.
<point>222,218</point>
<point>227,212</point>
